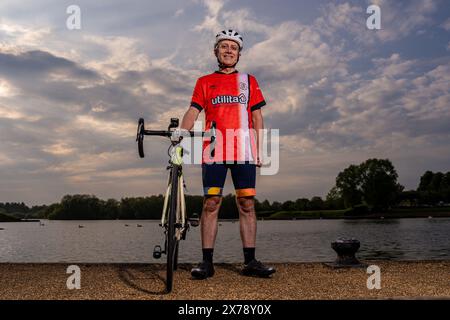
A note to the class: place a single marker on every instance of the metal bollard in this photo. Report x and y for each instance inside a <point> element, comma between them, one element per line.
<point>346,250</point>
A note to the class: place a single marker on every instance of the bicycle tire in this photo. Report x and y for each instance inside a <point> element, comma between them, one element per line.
<point>175,262</point>
<point>141,148</point>
<point>140,138</point>
<point>172,243</point>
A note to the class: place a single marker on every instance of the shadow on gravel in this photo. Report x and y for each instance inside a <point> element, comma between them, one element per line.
<point>137,277</point>
<point>230,267</point>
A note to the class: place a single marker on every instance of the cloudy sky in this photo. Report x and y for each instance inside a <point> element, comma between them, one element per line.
<point>339,92</point>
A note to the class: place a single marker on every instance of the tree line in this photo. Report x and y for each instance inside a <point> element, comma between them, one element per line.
<point>433,189</point>
<point>371,186</point>
<point>87,207</point>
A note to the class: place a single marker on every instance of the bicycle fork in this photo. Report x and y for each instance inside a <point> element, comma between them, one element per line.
<point>181,226</point>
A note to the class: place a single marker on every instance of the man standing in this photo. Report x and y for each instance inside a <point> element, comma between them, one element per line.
<point>233,101</point>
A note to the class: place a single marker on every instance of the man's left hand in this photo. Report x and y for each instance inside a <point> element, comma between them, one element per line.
<point>258,162</point>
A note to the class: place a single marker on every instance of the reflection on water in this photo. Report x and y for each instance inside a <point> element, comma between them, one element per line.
<point>373,222</point>
<point>277,241</point>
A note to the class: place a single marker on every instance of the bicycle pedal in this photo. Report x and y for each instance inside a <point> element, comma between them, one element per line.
<point>157,252</point>
<point>194,221</point>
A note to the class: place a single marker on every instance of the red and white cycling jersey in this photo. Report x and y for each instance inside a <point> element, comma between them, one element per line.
<point>229,100</point>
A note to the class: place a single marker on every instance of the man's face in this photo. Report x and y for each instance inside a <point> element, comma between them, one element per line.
<point>228,52</point>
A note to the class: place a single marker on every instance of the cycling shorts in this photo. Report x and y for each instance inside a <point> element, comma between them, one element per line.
<point>243,175</point>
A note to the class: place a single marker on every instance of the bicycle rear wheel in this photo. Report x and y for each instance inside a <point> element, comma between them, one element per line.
<point>172,242</point>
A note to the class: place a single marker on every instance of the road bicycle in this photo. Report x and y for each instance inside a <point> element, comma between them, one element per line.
<point>173,219</point>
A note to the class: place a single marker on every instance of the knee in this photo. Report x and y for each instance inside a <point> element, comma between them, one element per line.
<point>247,205</point>
<point>211,205</point>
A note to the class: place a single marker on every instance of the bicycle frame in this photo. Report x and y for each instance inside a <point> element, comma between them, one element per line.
<point>176,168</point>
<point>173,219</point>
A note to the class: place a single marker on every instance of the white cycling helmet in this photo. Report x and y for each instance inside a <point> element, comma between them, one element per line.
<point>229,35</point>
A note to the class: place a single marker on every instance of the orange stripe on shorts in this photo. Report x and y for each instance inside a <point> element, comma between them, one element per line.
<point>214,191</point>
<point>245,192</point>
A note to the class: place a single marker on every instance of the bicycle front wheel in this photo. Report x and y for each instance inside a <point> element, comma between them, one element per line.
<point>172,242</point>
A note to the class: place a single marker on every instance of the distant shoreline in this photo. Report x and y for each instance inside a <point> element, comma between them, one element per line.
<point>8,218</point>
<point>303,215</point>
<point>395,214</point>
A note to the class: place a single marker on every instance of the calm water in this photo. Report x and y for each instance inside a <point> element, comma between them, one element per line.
<point>278,241</point>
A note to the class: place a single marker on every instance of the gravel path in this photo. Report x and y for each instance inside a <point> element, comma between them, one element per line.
<point>399,280</point>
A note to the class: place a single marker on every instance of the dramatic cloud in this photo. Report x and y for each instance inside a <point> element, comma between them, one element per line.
<point>210,21</point>
<point>338,92</point>
<point>399,19</point>
<point>446,24</point>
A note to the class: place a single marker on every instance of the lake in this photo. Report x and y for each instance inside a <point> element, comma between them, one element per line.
<point>106,241</point>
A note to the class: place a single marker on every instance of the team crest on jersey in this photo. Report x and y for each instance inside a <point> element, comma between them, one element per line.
<point>243,86</point>
<point>229,99</point>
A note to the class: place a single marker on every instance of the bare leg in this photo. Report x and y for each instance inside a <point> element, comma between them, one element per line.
<point>247,221</point>
<point>208,220</point>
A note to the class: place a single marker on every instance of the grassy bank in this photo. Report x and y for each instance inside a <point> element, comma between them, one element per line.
<point>319,214</point>
<point>419,212</point>
<point>7,218</point>
<point>436,212</point>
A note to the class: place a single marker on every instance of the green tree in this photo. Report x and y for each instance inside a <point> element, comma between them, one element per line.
<point>348,182</point>
<point>77,206</point>
<point>228,208</point>
<point>434,187</point>
<point>446,180</point>
<point>127,208</point>
<point>446,188</point>
<point>51,212</point>
<point>425,181</point>
<point>276,206</point>
<point>288,206</point>
<point>257,205</point>
<point>379,183</point>
<point>429,197</point>
<point>334,199</point>
<point>373,182</point>
<point>437,182</point>
<point>316,203</point>
<point>410,198</point>
<point>15,207</point>
<point>265,205</point>
<point>302,204</point>
<point>110,209</point>
<point>194,204</point>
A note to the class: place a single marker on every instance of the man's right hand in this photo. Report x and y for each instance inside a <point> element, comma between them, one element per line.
<point>178,134</point>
